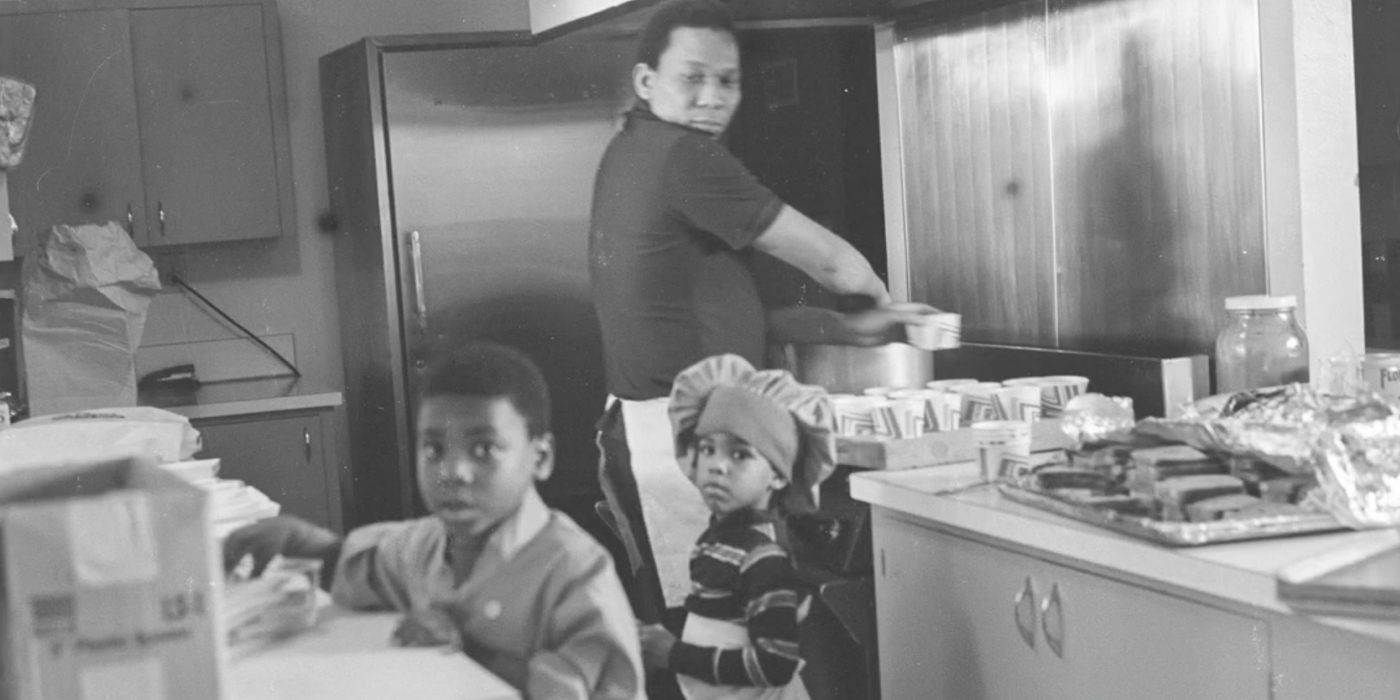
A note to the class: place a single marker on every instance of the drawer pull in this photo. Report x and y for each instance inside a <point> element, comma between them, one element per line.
<point>1023,611</point>
<point>1054,631</point>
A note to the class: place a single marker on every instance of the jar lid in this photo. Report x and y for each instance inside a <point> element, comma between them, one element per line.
<point>1260,302</point>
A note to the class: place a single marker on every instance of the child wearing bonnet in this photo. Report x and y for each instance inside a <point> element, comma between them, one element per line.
<point>756,444</point>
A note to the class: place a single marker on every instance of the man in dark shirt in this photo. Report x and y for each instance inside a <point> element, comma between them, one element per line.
<point>675,216</point>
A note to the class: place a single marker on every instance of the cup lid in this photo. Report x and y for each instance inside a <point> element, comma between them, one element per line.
<point>1260,302</point>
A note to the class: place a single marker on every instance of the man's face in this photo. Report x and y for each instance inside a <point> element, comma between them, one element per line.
<point>696,80</point>
<point>476,459</point>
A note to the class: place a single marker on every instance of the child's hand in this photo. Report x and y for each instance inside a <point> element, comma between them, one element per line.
<point>428,628</point>
<point>656,645</point>
<point>284,535</point>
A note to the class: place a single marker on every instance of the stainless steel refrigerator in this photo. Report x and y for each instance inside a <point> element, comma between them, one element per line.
<point>460,181</point>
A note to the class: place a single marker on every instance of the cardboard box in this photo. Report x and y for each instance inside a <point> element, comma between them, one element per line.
<point>110,585</point>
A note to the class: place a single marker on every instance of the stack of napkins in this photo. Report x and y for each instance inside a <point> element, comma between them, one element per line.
<point>234,503</point>
<point>279,603</point>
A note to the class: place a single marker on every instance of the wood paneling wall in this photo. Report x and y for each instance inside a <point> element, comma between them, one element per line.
<point>1085,174</point>
<point>977,172</point>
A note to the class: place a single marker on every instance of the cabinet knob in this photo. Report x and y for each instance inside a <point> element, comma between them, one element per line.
<point>1052,621</point>
<point>1023,611</point>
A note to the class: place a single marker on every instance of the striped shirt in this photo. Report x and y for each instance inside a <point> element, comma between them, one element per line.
<point>741,574</point>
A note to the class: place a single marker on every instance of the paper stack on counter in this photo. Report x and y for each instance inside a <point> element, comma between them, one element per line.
<point>233,503</point>
<point>281,602</point>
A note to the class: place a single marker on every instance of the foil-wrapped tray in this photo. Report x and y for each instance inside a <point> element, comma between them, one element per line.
<point>1175,534</point>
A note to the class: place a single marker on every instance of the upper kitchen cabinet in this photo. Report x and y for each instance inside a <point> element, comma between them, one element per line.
<point>169,119</point>
<point>82,162</point>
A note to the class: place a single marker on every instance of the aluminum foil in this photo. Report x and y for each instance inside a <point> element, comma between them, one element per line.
<point>1351,442</point>
<point>1091,418</point>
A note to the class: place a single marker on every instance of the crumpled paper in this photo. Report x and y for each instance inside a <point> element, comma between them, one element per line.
<point>86,290</point>
<point>16,112</point>
<point>1092,418</point>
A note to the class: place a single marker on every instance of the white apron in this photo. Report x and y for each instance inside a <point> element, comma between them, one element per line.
<point>674,513</point>
<point>709,632</point>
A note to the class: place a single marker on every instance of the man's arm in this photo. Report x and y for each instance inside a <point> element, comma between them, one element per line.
<point>826,257</point>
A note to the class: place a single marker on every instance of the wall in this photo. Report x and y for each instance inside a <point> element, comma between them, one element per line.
<point>1100,175</point>
<point>287,287</point>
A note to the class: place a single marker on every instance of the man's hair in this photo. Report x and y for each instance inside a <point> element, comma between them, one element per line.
<point>674,14</point>
<point>489,370</point>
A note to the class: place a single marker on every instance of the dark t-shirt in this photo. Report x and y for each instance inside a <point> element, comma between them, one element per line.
<point>674,213</point>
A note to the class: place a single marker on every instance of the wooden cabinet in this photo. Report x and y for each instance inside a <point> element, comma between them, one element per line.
<point>82,159</point>
<point>1375,25</point>
<point>169,119</point>
<point>289,456</point>
<point>959,618</point>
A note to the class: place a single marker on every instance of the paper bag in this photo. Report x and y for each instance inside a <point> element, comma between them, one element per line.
<point>167,437</point>
<point>110,585</point>
<point>85,294</point>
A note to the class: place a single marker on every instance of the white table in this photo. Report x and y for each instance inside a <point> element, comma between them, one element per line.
<point>347,656</point>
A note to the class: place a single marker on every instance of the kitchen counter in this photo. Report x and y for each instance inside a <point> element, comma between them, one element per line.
<point>1240,573</point>
<point>979,597</point>
<point>243,397</point>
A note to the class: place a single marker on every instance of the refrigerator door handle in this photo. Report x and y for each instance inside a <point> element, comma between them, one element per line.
<point>420,300</point>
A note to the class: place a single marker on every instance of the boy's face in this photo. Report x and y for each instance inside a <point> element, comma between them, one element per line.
<point>696,80</point>
<point>732,475</point>
<point>476,459</point>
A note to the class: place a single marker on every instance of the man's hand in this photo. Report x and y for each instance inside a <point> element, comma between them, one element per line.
<point>428,628</point>
<point>656,646</point>
<point>284,535</point>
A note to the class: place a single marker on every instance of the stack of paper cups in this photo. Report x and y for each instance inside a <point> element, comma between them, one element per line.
<point>900,417</point>
<point>1019,402</point>
<point>1055,391</point>
<point>935,331</point>
<point>977,401</point>
<point>853,415</point>
<point>1003,448</point>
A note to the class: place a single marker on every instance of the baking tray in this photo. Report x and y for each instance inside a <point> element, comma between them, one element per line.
<point>1176,534</point>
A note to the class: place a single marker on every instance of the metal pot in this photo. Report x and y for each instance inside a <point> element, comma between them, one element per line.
<point>851,368</point>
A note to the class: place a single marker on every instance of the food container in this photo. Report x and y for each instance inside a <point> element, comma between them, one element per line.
<point>1381,371</point>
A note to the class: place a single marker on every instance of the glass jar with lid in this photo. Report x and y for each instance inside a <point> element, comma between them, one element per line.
<point>1263,344</point>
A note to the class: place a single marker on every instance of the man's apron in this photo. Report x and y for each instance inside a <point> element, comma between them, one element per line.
<point>672,509</point>
<point>709,632</point>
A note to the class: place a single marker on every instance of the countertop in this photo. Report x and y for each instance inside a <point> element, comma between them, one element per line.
<point>347,656</point>
<point>243,397</point>
<point>1243,573</point>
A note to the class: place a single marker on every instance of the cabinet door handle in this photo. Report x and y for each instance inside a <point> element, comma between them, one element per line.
<point>1023,611</point>
<point>306,438</point>
<point>130,224</point>
<point>1054,638</point>
<point>160,215</point>
<point>420,301</point>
